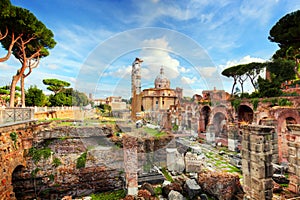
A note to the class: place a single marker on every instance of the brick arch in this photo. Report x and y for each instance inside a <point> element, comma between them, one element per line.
<point>281,115</point>
<point>218,109</point>
<point>17,171</point>
<point>245,113</point>
<point>204,118</point>
<point>247,104</point>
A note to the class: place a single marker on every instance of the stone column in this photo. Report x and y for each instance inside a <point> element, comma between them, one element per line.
<point>276,142</point>
<point>131,164</point>
<point>257,162</point>
<point>293,141</point>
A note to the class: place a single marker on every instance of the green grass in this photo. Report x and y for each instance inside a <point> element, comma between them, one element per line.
<point>158,191</point>
<point>154,132</point>
<point>115,195</point>
<point>233,169</point>
<point>167,175</point>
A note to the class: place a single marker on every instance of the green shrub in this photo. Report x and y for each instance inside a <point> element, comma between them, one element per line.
<point>236,103</point>
<point>255,102</point>
<point>284,102</point>
<point>14,138</point>
<point>38,154</point>
<point>56,162</point>
<point>81,160</point>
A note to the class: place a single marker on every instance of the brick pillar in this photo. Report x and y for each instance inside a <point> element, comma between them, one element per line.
<point>293,141</point>
<point>131,164</point>
<point>256,162</point>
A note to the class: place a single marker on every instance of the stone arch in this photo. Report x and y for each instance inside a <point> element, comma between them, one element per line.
<point>219,109</point>
<point>219,122</point>
<point>245,114</point>
<point>204,118</point>
<point>261,116</point>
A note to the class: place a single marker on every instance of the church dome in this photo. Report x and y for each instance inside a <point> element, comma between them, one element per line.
<point>161,80</point>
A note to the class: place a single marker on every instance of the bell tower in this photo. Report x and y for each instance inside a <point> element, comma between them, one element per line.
<point>136,102</point>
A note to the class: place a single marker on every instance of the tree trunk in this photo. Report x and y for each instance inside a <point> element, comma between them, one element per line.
<point>234,83</point>
<point>23,91</point>
<point>13,91</point>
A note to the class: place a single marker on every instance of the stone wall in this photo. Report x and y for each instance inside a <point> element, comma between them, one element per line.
<point>47,179</point>
<point>63,114</point>
<point>293,138</point>
<point>14,140</point>
<point>256,162</point>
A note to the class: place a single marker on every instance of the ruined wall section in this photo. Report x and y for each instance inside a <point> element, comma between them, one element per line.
<point>293,138</point>
<point>257,162</point>
<point>15,139</point>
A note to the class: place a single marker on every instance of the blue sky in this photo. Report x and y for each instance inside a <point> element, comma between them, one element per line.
<point>194,40</point>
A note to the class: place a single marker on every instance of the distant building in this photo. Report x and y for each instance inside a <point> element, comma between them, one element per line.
<point>114,101</point>
<point>159,98</point>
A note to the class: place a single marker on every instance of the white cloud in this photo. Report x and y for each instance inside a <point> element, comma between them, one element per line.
<point>207,71</point>
<point>184,70</point>
<point>187,80</point>
<point>119,72</point>
<point>155,55</point>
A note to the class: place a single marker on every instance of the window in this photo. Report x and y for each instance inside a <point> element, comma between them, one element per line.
<point>156,102</point>
<point>163,102</point>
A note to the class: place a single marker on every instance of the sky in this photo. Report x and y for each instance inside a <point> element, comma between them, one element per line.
<point>194,40</point>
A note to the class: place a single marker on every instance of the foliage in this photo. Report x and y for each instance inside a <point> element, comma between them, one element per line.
<point>105,110</point>
<point>286,33</point>
<point>284,102</point>
<point>175,127</point>
<point>60,99</point>
<point>38,154</point>
<point>14,137</point>
<point>158,191</point>
<point>81,160</point>
<point>56,162</point>
<point>167,175</point>
<point>241,72</point>
<point>268,88</point>
<point>281,70</point>
<point>56,85</point>
<point>34,172</point>
<point>35,97</point>
<point>51,177</point>
<point>114,195</point>
<point>28,40</point>
<point>236,103</point>
<point>69,97</point>
<point>255,102</point>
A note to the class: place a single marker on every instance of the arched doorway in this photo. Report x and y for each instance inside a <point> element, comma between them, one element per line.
<point>245,114</point>
<point>18,181</point>
<point>204,118</point>
<point>219,123</point>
